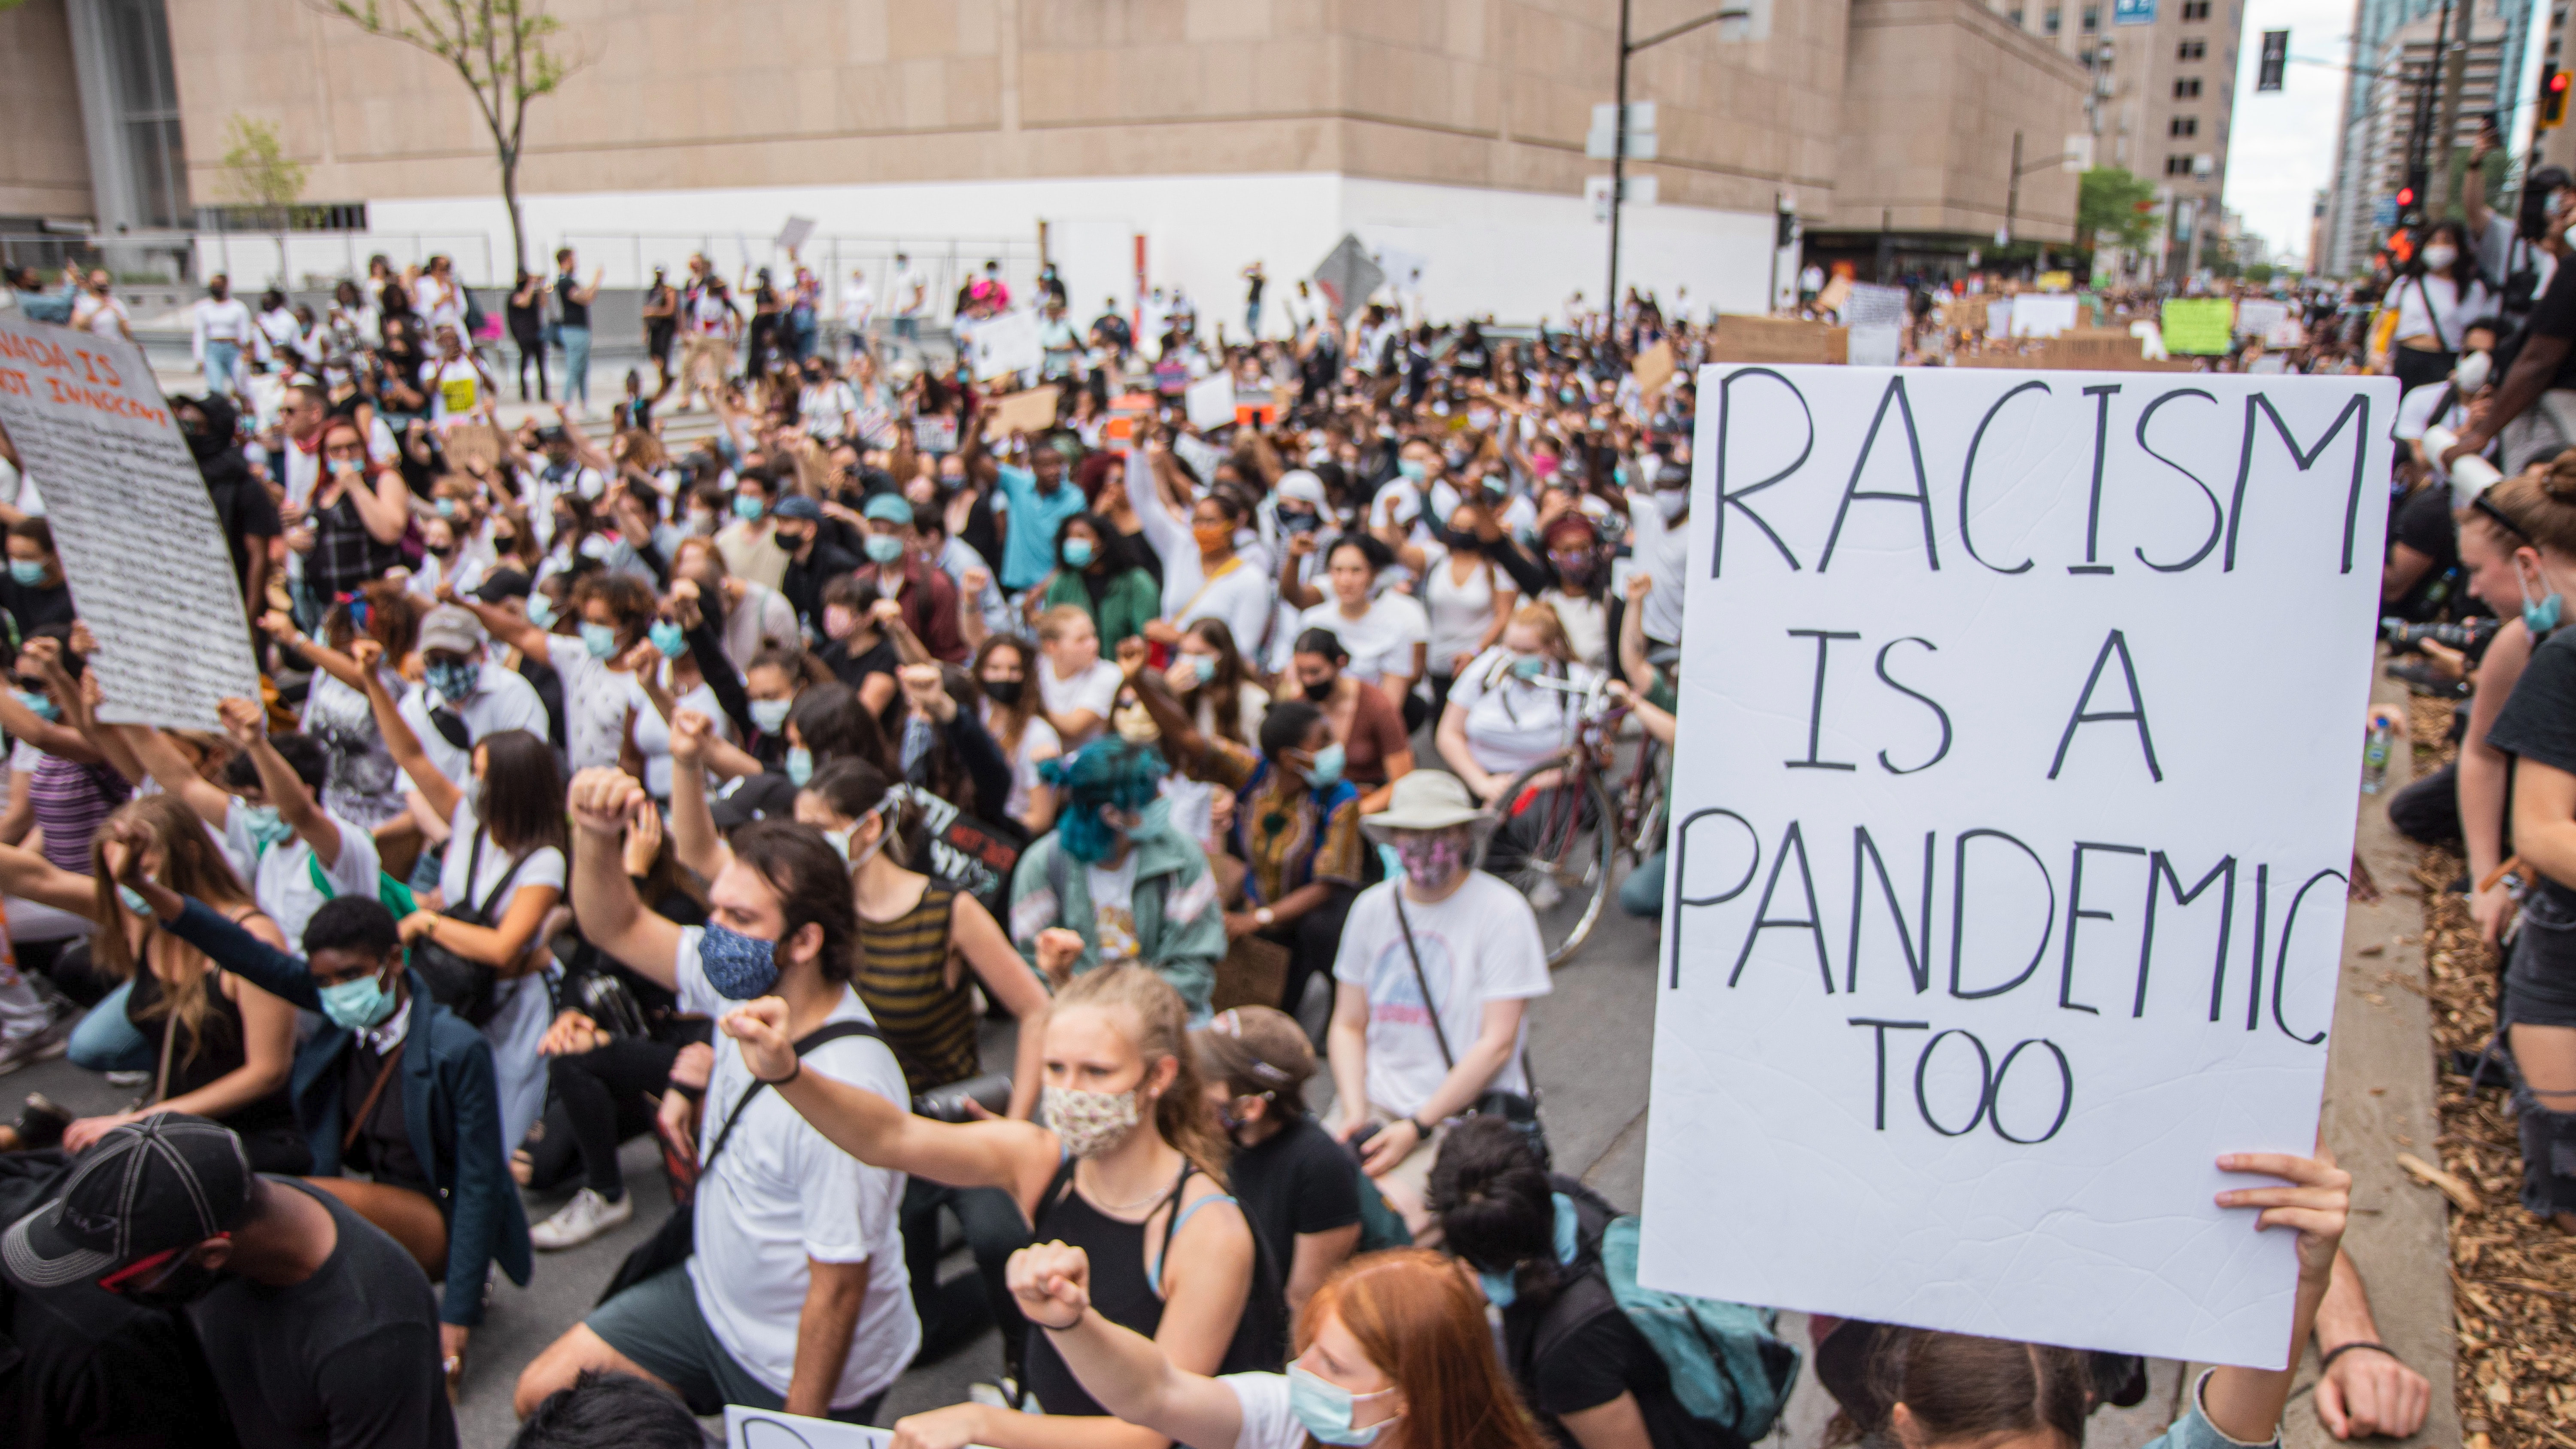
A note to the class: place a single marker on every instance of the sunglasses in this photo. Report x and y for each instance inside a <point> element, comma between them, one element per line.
<point>144,1272</point>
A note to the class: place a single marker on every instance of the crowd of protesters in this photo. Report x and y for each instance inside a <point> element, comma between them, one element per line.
<point>603,787</point>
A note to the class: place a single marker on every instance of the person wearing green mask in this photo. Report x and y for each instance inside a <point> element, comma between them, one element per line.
<point>1093,577</point>
<point>394,1085</point>
<point>1296,824</point>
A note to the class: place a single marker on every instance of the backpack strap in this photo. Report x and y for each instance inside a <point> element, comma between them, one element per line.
<point>1430,1005</point>
<point>830,1031</point>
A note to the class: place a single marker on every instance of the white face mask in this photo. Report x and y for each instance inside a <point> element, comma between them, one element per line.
<point>2473,372</point>
<point>2439,258</point>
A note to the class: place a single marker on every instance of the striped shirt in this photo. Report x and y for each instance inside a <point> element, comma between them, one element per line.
<point>903,981</point>
<point>71,801</point>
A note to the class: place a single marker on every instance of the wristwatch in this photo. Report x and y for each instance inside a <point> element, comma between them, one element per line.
<point>1265,916</point>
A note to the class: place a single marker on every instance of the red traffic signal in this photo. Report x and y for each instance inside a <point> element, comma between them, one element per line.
<point>2405,197</point>
<point>2553,99</point>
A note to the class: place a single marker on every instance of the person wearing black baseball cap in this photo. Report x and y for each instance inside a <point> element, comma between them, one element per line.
<point>319,1330</point>
<point>812,560</point>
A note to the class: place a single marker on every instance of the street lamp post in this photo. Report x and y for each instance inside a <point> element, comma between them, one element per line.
<point>2012,186</point>
<point>1739,10</point>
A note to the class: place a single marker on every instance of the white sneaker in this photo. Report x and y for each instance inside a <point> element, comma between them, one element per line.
<point>587,1216</point>
<point>41,1045</point>
<point>129,1079</point>
<point>1545,895</point>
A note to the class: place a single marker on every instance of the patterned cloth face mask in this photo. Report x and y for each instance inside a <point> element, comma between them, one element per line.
<point>1089,1123</point>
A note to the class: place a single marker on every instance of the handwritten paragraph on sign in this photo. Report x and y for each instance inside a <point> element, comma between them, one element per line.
<point>148,566</point>
<point>2006,884</point>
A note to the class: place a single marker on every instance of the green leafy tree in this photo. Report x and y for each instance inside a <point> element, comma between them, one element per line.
<point>2114,207</point>
<point>260,172</point>
<point>504,50</point>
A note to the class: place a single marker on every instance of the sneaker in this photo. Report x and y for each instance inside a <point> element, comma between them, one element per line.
<point>1545,895</point>
<point>1004,1393</point>
<point>587,1216</point>
<point>129,1079</point>
<point>41,1045</point>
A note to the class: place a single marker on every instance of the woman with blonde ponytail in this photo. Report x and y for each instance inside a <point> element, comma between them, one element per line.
<point>1130,1168</point>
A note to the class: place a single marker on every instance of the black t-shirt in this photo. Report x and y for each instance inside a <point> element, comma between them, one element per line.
<point>2554,315</point>
<point>2539,723</point>
<point>575,313</point>
<point>1298,1181</point>
<point>853,670</point>
<point>1588,1365</point>
<point>34,606</point>
<point>346,1359</point>
<point>94,1371</point>
<point>2424,524</point>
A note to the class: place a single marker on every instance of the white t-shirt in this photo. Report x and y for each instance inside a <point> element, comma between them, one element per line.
<point>1240,595</point>
<point>1113,909</point>
<point>1513,724</point>
<point>1038,741</point>
<point>1095,689</point>
<point>1479,945</point>
<point>595,702</point>
<point>544,867</point>
<point>2415,411</point>
<point>1267,1421</point>
<point>1663,555</point>
<point>653,733</point>
<point>1380,642</point>
<point>1459,613</point>
<point>282,876</point>
<point>506,701</point>
<point>455,389</point>
<point>781,1194</point>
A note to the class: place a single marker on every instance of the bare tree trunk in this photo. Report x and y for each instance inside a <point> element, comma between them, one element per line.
<point>518,231</point>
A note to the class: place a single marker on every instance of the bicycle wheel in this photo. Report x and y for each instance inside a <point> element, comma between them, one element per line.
<point>1556,849</point>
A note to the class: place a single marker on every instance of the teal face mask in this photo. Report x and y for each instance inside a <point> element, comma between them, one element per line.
<point>1501,1289</point>
<point>134,900</point>
<point>769,716</point>
<point>746,508</point>
<point>541,611</point>
<point>42,706</point>
<point>25,573</point>
<point>1202,665</point>
<point>1325,1409</point>
<point>262,823</point>
<point>1529,666</point>
<point>800,766</point>
<point>357,1005</point>
<point>883,548</point>
<point>1077,553</point>
<point>667,638</point>
<point>1416,470</point>
<point>1326,772</point>
<point>599,639</point>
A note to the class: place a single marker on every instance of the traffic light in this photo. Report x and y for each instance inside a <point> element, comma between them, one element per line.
<point>2553,98</point>
<point>2405,197</point>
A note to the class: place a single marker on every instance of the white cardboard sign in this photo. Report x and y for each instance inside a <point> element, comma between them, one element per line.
<point>2042,314</point>
<point>777,1429</point>
<point>2007,881</point>
<point>1008,343</point>
<point>149,570</point>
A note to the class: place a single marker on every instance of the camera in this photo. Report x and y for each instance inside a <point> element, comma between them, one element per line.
<point>2470,636</point>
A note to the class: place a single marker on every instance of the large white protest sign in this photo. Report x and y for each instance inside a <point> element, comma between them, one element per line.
<point>776,1429</point>
<point>149,570</point>
<point>2006,887</point>
<point>1007,343</point>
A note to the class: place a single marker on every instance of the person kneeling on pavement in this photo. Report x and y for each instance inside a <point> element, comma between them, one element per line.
<point>395,1085</point>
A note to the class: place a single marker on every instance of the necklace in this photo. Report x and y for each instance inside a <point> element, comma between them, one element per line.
<point>1155,1195</point>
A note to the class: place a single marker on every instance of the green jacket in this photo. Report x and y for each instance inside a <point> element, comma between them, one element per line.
<point>1132,602</point>
<point>1180,928</point>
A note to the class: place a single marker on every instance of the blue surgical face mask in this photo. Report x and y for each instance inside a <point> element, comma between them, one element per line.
<point>1529,666</point>
<point>40,704</point>
<point>746,508</point>
<point>23,572</point>
<point>1078,553</point>
<point>454,679</point>
<point>1325,1408</point>
<point>262,823</point>
<point>357,1005</point>
<point>2540,617</point>
<point>1326,772</point>
<point>447,508</point>
<point>769,716</point>
<point>1503,1287</point>
<point>541,611</point>
<point>883,548</point>
<point>1500,1288</point>
<point>134,900</point>
<point>739,967</point>
<point>667,637</point>
<point>1202,665</point>
<point>599,639</point>
<point>1413,468</point>
<point>800,765</point>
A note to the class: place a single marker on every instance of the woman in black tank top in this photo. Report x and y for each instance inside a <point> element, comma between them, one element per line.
<point>1129,1170</point>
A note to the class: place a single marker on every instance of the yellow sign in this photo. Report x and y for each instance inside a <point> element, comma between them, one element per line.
<point>2199,326</point>
<point>2057,281</point>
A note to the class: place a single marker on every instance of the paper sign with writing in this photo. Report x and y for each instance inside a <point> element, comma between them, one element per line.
<point>935,433</point>
<point>1008,343</point>
<point>1654,368</point>
<point>147,563</point>
<point>2008,872</point>
<point>2198,326</point>
<point>2043,314</point>
<point>1210,401</point>
<point>778,1429</point>
<point>1202,455</point>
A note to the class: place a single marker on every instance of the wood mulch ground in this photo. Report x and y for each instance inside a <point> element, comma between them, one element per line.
<point>2513,1276</point>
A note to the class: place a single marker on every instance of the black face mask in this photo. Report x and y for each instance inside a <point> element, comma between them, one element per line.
<point>184,1284</point>
<point>1321,692</point>
<point>1004,692</point>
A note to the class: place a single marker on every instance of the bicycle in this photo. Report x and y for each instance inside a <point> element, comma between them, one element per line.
<point>1570,817</point>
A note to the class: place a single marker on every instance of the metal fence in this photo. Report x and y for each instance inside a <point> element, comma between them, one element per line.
<point>316,260</point>
<point>945,263</point>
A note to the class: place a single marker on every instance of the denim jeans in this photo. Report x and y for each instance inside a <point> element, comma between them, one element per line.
<point>106,1042</point>
<point>223,360</point>
<point>576,349</point>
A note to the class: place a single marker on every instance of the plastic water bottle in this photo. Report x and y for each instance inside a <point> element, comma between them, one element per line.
<point>2374,758</point>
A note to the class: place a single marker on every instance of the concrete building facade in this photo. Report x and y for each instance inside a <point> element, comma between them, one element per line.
<point>1167,142</point>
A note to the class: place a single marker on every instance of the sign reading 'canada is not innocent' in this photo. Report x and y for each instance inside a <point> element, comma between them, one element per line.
<point>2007,878</point>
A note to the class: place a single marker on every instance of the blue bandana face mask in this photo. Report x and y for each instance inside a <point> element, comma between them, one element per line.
<point>739,967</point>
<point>1325,1408</point>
